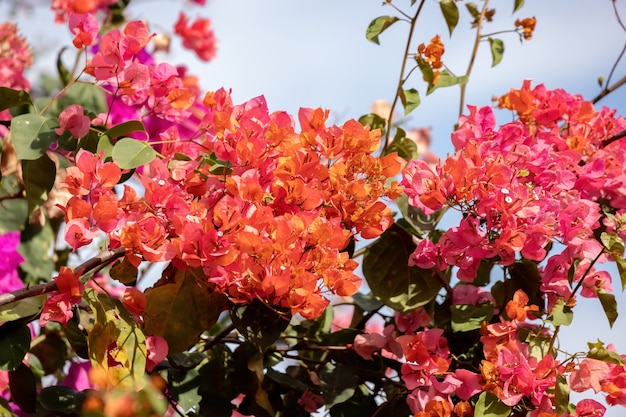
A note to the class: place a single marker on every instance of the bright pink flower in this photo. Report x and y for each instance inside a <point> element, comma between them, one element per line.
<point>409,322</point>
<point>10,259</point>
<point>15,57</point>
<point>198,36</point>
<point>79,233</point>
<point>157,349</point>
<point>78,376</point>
<point>72,118</point>
<point>589,408</point>
<point>85,27</point>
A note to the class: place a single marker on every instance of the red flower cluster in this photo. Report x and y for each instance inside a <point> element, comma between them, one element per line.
<point>198,36</point>
<point>265,211</point>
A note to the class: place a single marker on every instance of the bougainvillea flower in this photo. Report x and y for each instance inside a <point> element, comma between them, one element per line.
<point>197,36</point>
<point>73,119</point>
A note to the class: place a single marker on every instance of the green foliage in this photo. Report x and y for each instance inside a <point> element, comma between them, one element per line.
<point>31,135</point>
<point>378,26</point>
<point>125,128</point>
<point>23,386</point>
<point>116,342</point>
<point>488,405</point>
<point>405,147</point>
<point>180,307</point>
<point>609,305</point>
<point>467,317</point>
<point>561,395</point>
<point>561,314</point>
<point>28,307</point>
<point>39,176</point>
<point>259,323</point>
<point>36,248</point>
<point>13,98</point>
<point>599,352</point>
<point>14,343</point>
<point>450,13</point>
<point>410,99</point>
<point>339,383</point>
<point>518,5</point>
<point>446,80</point>
<point>374,121</point>
<point>61,399</point>
<point>391,280</point>
<point>131,153</point>
<point>497,50</point>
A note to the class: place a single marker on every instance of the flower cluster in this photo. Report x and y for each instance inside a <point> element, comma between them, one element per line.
<point>547,177</point>
<point>15,57</point>
<point>197,36</point>
<point>267,212</point>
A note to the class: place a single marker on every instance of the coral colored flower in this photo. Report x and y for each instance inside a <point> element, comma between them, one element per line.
<point>69,291</point>
<point>15,57</point>
<point>72,118</point>
<point>197,37</point>
<point>527,25</point>
<point>10,259</point>
<point>157,349</point>
<point>85,29</point>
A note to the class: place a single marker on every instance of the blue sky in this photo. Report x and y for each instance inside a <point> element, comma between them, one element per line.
<point>314,53</point>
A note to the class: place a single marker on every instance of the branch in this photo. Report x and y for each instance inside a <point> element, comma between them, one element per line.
<point>36,290</point>
<point>615,137</point>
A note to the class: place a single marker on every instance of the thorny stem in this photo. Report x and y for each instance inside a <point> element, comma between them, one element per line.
<point>479,26</point>
<point>102,258</point>
<point>402,70</point>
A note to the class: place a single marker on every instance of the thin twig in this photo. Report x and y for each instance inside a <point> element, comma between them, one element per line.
<point>48,287</point>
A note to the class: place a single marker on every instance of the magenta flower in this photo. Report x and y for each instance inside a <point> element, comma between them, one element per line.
<point>9,261</point>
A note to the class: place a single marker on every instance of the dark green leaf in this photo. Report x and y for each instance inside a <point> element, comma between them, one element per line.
<point>13,214</point>
<point>446,80</point>
<point>410,99</point>
<point>560,315</point>
<point>609,305</point>
<point>23,386</point>
<point>422,223</point>
<point>125,128</point>
<point>286,380</point>
<point>473,10</point>
<point>338,383</point>
<point>488,405</point>
<point>467,317</point>
<point>131,153</point>
<point>36,246</point>
<point>621,268</point>
<point>374,121</point>
<point>64,74</point>
<point>180,308</point>
<point>366,301</point>
<point>561,395</point>
<point>88,95</point>
<point>77,339</point>
<point>358,405</point>
<point>385,266</point>
<point>403,146</point>
<point>259,324</point>
<point>450,13</point>
<point>39,176</point>
<point>13,98</point>
<point>378,26</point>
<point>497,51</point>
<point>14,343</point>
<point>518,5</point>
<point>61,399</point>
<point>32,135</point>
<point>27,307</point>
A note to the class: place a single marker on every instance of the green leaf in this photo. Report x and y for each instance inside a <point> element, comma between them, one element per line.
<point>13,98</point>
<point>473,10</point>
<point>259,324</point>
<point>488,405</point>
<point>374,121</point>
<point>88,95</point>
<point>64,74</point>
<point>366,301</point>
<point>32,135</point>
<point>77,339</point>
<point>426,69</point>
<point>23,386</point>
<point>621,268</point>
<point>105,145</point>
<point>378,26</point>
<point>286,380</point>
<point>36,248</point>
<point>467,317</point>
<point>497,51</point>
<point>180,307</point>
<point>561,315</point>
<point>116,342</point>
<point>405,147</point>
<point>599,352</point>
<point>14,343</point>
<point>446,80</point>
<point>39,176</point>
<point>450,13</point>
<point>27,307</point>
<point>391,279</point>
<point>125,128</point>
<point>13,214</point>
<point>410,99</point>
<point>518,5</point>
<point>561,395</point>
<point>609,305</point>
<point>338,383</point>
<point>422,223</point>
<point>131,153</point>
<point>61,399</point>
